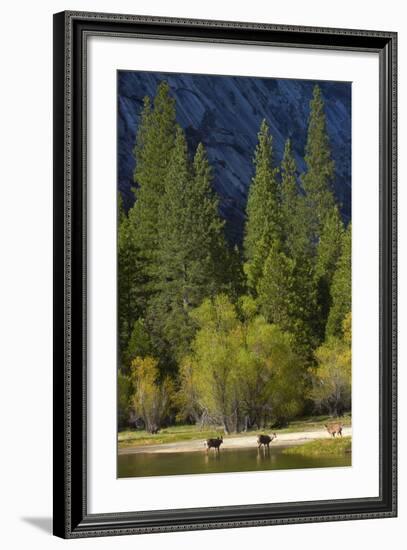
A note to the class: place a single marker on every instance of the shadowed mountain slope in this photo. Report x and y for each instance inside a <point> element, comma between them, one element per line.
<point>224,113</point>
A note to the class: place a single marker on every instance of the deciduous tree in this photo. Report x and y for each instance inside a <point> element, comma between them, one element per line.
<point>152,397</point>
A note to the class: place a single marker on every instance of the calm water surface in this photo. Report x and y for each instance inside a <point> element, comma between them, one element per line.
<point>228,460</point>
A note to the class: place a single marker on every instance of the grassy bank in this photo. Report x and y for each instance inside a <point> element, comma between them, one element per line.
<point>173,434</point>
<point>314,423</point>
<point>322,447</point>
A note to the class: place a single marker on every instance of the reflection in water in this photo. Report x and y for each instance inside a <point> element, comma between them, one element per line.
<point>263,454</point>
<point>227,460</point>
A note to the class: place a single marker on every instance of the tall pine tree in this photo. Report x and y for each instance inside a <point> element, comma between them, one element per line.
<point>329,249</point>
<point>276,289</point>
<point>286,289</point>
<point>289,195</point>
<point>154,145</point>
<point>191,249</point>
<point>317,180</point>
<point>293,209</point>
<point>130,280</point>
<point>263,217</point>
<point>138,235</point>
<point>341,289</point>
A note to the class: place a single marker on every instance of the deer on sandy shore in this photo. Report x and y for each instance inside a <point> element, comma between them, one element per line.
<point>334,429</point>
<point>265,440</point>
<point>214,442</point>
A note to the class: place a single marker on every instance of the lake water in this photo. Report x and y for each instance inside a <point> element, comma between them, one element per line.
<point>227,460</point>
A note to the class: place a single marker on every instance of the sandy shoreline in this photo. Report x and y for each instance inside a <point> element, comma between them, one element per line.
<point>242,442</point>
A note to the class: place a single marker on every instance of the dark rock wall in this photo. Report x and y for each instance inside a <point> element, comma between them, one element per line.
<point>224,112</point>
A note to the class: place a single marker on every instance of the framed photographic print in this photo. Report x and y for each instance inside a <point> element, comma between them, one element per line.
<point>224,274</point>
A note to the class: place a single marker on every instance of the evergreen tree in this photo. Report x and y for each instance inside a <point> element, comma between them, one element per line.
<point>182,303</point>
<point>289,197</point>
<point>328,252</point>
<point>154,144</point>
<point>341,290</point>
<point>206,242</point>
<point>286,296</point>
<point>293,209</point>
<point>276,288</point>
<point>263,224</point>
<point>191,249</point>
<point>233,273</point>
<point>286,288</point>
<point>130,281</point>
<point>317,180</point>
<point>140,344</point>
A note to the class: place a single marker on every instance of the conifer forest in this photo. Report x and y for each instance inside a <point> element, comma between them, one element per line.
<point>224,323</point>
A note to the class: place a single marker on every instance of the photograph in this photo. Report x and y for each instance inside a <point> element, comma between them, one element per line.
<point>201,263</point>
<point>234,275</point>
<point>225,274</point>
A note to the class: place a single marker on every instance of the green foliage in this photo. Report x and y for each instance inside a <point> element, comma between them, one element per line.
<point>168,434</point>
<point>276,288</point>
<point>232,268</point>
<point>123,398</point>
<point>273,373</point>
<point>320,216</point>
<point>294,211</point>
<point>130,281</point>
<point>322,447</point>
<point>286,296</point>
<point>291,202</point>
<point>214,351</point>
<point>139,343</point>
<point>169,307</point>
<point>187,395</point>
<point>247,307</point>
<point>191,250</point>
<point>263,224</point>
<point>332,377</point>
<point>154,145</point>
<point>286,291</point>
<point>341,290</point>
<point>317,181</point>
<point>235,331</point>
<point>152,397</point>
<point>243,372</point>
<point>328,253</point>
<point>138,232</point>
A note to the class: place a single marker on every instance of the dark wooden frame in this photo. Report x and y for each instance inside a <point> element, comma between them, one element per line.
<point>71,518</point>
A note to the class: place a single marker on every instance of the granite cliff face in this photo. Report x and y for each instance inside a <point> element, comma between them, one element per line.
<point>225,112</point>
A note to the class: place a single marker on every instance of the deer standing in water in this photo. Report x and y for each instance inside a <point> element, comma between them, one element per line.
<point>266,440</point>
<point>334,429</point>
<point>215,442</point>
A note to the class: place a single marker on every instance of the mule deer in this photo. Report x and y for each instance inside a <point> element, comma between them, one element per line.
<point>215,442</point>
<point>266,440</point>
<point>334,429</point>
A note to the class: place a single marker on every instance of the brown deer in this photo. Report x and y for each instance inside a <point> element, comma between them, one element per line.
<point>334,429</point>
<point>266,440</point>
<point>215,442</point>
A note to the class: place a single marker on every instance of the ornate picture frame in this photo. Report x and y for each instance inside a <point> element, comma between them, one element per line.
<point>72,518</point>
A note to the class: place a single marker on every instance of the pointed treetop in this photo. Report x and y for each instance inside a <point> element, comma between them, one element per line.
<point>318,151</point>
<point>264,152</point>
